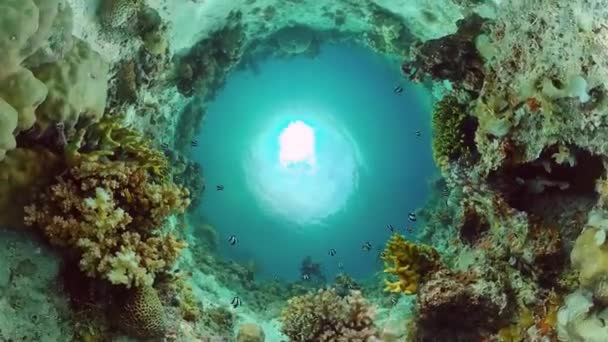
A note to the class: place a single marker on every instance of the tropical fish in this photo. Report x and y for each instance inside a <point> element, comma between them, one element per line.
<point>367,246</point>
<point>394,300</point>
<point>232,240</point>
<point>194,143</point>
<point>398,89</point>
<point>219,187</point>
<point>418,133</point>
<point>411,217</point>
<point>340,265</point>
<point>305,276</point>
<point>164,145</point>
<point>332,252</point>
<point>409,229</point>
<point>236,302</point>
<point>390,227</point>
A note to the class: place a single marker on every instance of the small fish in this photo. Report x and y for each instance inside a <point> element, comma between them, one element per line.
<point>332,252</point>
<point>194,143</point>
<point>409,229</point>
<point>411,217</point>
<point>394,300</point>
<point>398,89</point>
<point>164,145</point>
<point>367,246</point>
<point>340,265</point>
<point>219,187</point>
<point>232,240</point>
<point>383,254</point>
<point>236,302</point>
<point>445,192</point>
<point>418,133</point>
<point>391,228</point>
<point>305,276</point>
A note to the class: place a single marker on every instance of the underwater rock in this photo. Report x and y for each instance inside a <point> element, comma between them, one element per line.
<point>294,40</point>
<point>460,306</point>
<point>250,332</point>
<point>453,57</point>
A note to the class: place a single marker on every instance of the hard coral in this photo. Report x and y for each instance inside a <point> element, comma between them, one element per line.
<point>108,209</point>
<point>119,13</point>
<point>326,317</point>
<point>453,132</point>
<point>460,307</point>
<point>141,313</point>
<point>409,262</point>
<point>77,87</point>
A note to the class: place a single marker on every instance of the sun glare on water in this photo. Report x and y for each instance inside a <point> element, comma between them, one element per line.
<point>297,145</point>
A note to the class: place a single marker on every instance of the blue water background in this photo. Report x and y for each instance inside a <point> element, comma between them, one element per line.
<point>356,87</point>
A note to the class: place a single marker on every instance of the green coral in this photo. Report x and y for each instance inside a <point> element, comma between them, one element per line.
<point>452,136</point>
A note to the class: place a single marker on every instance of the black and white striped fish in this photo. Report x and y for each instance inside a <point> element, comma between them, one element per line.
<point>367,246</point>
<point>194,143</point>
<point>398,89</point>
<point>305,276</point>
<point>332,252</point>
<point>418,133</point>
<point>236,302</point>
<point>219,187</point>
<point>411,217</point>
<point>232,240</point>
<point>390,228</point>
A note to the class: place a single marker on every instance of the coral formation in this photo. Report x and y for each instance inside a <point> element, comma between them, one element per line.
<point>453,133</point>
<point>108,207</point>
<point>119,13</point>
<point>324,316</point>
<point>141,313</point>
<point>77,87</point>
<point>250,332</point>
<point>409,262</point>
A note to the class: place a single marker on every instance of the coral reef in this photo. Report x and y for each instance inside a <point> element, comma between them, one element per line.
<point>460,306</point>
<point>141,313</point>
<point>325,316</point>
<point>250,332</point>
<point>77,87</point>
<point>108,208</point>
<point>409,262</point>
<point>453,133</point>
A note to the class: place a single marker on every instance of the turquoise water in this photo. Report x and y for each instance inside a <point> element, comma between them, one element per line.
<point>372,166</point>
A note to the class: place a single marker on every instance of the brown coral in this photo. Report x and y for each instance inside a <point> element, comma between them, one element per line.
<point>141,313</point>
<point>326,317</point>
<point>111,213</point>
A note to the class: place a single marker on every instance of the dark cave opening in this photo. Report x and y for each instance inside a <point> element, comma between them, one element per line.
<point>555,194</point>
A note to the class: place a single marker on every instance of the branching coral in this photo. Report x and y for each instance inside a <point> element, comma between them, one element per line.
<point>409,262</point>
<point>108,208</point>
<point>326,317</point>
<point>453,132</point>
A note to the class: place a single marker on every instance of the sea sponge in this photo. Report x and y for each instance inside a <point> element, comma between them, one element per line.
<point>25,93</point>
<point>409,262</point>
<point>18,23</point>
<point>77,86</point>
<point>8,124</point>
<point>324,316</point>
<point>590,257</point>
<point>141,313</point>
<point>452,132</point>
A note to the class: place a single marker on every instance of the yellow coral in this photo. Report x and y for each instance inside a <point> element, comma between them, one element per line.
<point>110,138</point>
<point>408,261</point>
